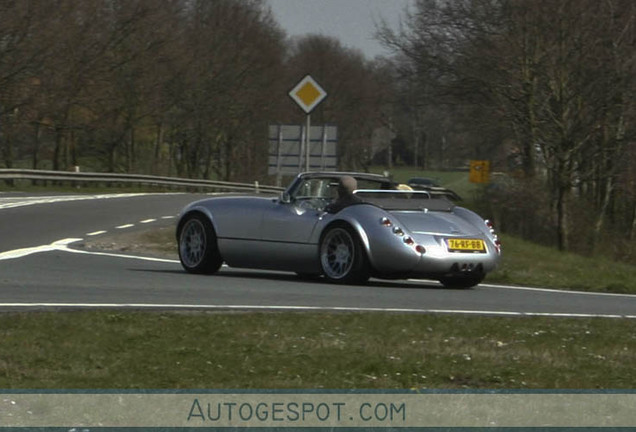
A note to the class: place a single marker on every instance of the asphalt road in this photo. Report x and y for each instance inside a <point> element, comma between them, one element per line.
<point>34,220</point>
<point>41,268</point>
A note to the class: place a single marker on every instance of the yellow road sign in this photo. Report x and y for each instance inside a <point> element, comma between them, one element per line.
<point>308,94</point>
<point>479,171</point>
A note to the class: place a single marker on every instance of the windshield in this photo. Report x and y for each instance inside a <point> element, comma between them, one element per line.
<point>327,187</point>
<point>317,192</point>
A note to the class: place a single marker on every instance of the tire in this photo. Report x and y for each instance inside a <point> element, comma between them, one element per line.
<point>198,249</point>
<point>342,257</point>
<point>461,282</point>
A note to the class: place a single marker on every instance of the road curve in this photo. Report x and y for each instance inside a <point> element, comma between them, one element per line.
<point>35,220</point>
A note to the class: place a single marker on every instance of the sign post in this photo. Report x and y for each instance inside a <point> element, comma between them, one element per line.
<point>307,94</point>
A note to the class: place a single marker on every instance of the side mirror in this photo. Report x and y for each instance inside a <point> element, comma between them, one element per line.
<point>285,198</point>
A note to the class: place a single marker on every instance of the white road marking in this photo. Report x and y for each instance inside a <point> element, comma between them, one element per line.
<point>19,253</point>
<point>117,255</point>
<point>61,245</point>
<point>12,202</point>
<point>311,308</point>
<point>547,290</point>
<point>552,290</point>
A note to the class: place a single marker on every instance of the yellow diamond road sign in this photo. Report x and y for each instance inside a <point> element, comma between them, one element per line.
<point>308,94</point>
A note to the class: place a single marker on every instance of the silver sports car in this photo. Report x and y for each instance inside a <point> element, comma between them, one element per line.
<point>387,232</point>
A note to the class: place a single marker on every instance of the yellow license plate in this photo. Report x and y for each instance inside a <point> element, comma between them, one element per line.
<point>466,245</point>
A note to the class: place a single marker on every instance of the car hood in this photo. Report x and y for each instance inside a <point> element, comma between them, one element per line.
<point>435,223</point>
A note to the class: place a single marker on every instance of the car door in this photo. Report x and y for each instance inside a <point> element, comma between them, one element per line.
<point>293,221</point>
<point>287,227</point>
<point>290,223</point>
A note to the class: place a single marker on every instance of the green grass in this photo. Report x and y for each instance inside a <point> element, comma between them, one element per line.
<point>529,264</point>
<point>134,350</point>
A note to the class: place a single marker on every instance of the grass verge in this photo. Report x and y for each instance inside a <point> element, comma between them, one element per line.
<point>529,264</point>
<point>134,350</point>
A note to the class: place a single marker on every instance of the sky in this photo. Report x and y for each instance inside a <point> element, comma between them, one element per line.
<point>353,22</point>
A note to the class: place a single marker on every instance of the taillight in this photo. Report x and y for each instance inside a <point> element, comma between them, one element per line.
<point>490,225</point>
<point>496,241</point>
<point>386,222</point>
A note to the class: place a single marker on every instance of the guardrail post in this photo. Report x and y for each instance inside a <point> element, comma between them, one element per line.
<point>256,186</point>
<point>76,169</point>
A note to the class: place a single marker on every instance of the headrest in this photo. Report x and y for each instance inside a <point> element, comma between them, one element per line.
<point>346,185</point>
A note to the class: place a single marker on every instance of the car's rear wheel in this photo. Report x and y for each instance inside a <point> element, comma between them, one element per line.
<point>198,249</point>
<point>461,282</point>
<point>342,257</point>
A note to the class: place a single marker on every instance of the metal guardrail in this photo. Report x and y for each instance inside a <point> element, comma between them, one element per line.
<point>91,177</point>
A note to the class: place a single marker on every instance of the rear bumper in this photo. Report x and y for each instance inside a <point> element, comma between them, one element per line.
<point>436,262</point>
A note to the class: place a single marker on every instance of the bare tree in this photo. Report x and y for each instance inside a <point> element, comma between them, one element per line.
<point>556,72</point>
<point>234,54</point>
<point>21,56</point>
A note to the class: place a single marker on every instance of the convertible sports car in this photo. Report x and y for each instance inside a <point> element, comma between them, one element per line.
<point>390,233</point>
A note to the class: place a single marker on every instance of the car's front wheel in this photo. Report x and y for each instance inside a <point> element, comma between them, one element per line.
<point>342,257</point>
<point>198,249</point>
